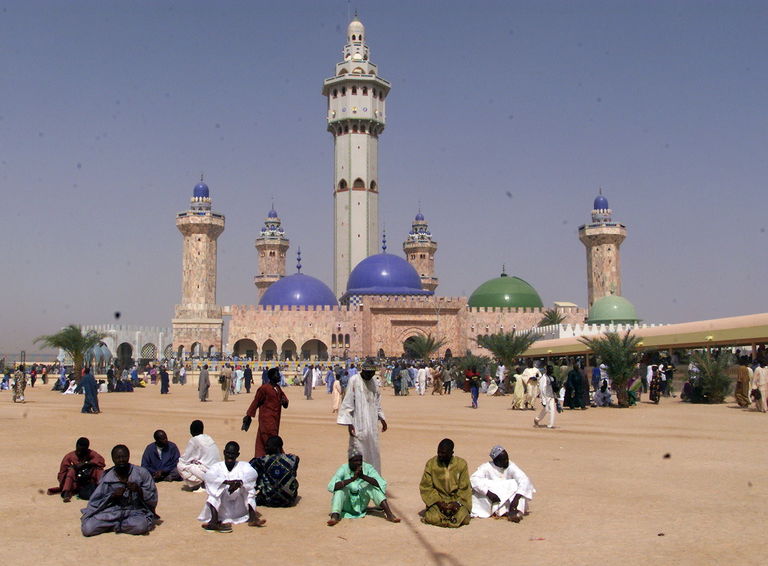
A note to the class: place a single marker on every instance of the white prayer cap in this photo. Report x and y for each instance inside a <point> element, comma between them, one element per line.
<point>353,451</point>
<point>496,450</point>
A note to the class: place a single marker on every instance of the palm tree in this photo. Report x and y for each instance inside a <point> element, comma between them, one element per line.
<point>72,340</point>
<point>713,382</point>
<point>619,353</point>
<point>551,317</point>
<point>422,347</point>
<point>507,347</point>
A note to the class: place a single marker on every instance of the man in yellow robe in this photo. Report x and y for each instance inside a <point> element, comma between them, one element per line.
<point>445,488</point>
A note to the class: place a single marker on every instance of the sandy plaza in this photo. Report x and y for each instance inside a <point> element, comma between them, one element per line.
<point>678,483</point>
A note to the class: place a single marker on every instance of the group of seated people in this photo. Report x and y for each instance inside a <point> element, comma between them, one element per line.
<point>124,498</point>
<point>497,488</point>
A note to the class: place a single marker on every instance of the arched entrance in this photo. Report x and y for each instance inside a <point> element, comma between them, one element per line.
<point>448,354</point>
<point>180,352</point>
<point>381,353</point>
<point>195,349</point>
<point>314,350</point>
<point>288,350</point>
<point>245,348</point>
<point>211,351</point>
<point>125,355</point>
<point>168,352</point>
<point>269,350</point>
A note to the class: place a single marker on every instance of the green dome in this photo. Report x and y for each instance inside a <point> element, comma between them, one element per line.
<point>505,291</point>
<point>612,309</point>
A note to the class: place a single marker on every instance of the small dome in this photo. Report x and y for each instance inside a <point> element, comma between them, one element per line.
<point>200,191</point>
<point>612,309</point>
<point>384,274</point>
<point>601,203</point>
<point>419,217</point>
<point>505,291</point>
<point>357,28</point>
<point>298,290</point>
<point>272,214</point>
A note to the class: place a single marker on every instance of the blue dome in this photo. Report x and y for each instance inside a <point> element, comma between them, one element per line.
<point>601,203</point>
<point>419,217</point>
<point>384,274</point>
<point>298,290</point>
<point>200,191</point>
<point>272,214</point>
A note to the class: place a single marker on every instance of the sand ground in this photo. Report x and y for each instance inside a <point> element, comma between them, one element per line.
<point>606,494</point>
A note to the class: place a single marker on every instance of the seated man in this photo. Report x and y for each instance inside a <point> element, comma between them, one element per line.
<point>161,458</point>
<point>603,395</point>
<point>79,473</point>
<point>124,501</point>
<point>445,488</point>
<point>277,485</point>
<point>353,486</point>
<point>500,488</point>
<point>231,487</point>
<point>200,454</point>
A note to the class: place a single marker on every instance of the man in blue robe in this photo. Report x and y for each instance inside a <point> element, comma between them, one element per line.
<point>91,392</point>
<point>161,458</point>
<point>276,485</point>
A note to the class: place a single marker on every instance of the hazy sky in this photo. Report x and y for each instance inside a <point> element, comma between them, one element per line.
<point>503,120</point>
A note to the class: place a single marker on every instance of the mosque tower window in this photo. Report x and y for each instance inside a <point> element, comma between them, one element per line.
<point>335,92</point>
<point>354,90</point>
<point>343,184</point>
<point>358,184</point>
<point>343,90</point>
<point>365,91</point>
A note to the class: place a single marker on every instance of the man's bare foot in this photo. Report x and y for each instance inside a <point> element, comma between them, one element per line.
<point>515,516</point>
<point>66,496</point>
<point>334,520</point>
<point>393,519</point>
<point>257,523</point>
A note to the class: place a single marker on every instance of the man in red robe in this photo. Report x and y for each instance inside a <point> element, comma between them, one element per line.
<point>269,401</point>
<point>80,472</point>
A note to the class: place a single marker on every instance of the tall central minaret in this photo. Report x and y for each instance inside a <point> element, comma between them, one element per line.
<point>356,114</point>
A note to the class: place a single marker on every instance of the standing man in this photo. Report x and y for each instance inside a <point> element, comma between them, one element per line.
<point>203,383</point>
<point>165,384</point>
<point>421,379</point>
<point>225,380</point>
<point>361,412</point>
<point>531,376</point>
<point>547,400</point>
<point>445,488</point>
<point>760,382</point>
<point>248,377</point>
<point>269,401</point>
<point>309,378</point>
<point>19,384</point>
<point>90,392</point>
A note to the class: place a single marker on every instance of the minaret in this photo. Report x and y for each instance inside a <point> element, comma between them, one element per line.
<point>356,112</point>
<point>420,249</point>
<point>272,245</point>
<point>198,319</point>
<point>602,238</point>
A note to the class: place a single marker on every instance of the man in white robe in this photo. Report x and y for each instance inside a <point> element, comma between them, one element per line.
<point>361,412</point>
<point>500,488</point>
<point>421,379</point>
<point>200,454</point>
<point>231,487</point>
<point>531,376</point>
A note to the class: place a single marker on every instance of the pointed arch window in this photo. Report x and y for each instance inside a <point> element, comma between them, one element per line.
<point>342,184</point>
<point>373,185</point>
<point>358,184</point>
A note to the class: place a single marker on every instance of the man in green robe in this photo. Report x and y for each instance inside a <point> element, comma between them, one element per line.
<point>353,486</point>
<point>445,488</point>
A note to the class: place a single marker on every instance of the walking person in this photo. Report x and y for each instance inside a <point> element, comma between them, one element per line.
<point>203,383</point>
<point>547,395</point>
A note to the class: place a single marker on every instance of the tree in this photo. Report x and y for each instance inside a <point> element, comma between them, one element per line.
<point>507,347</point>
<point>620,354</point>
<point>713,382</point>
<point>551,317</point>
<point>72,340</point>
<point>422,347</point>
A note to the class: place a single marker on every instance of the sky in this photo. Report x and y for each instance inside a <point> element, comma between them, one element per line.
<point>504,120</point>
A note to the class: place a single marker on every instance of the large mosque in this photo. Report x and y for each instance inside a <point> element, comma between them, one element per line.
<point>380,300</point>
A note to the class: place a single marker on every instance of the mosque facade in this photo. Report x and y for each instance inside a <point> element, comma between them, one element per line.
<point>379,300</point>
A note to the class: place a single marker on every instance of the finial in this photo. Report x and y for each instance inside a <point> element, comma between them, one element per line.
<point>503,270</point>
<point>298,260</point>
<point>201,177</point>
<point>384,242</point>
<point>600,190</point>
